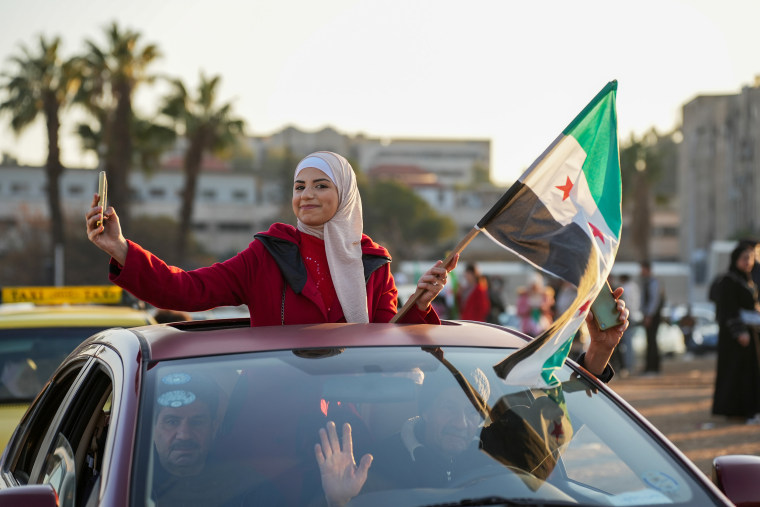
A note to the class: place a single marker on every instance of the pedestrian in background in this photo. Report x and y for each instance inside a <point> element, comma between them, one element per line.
<point>632,297</point>
<point>495,293</point>
<point>474,299</point>
<point>565,294</point>
<point>652,301</point>
<point>737,378</point>
<point>534,306</point>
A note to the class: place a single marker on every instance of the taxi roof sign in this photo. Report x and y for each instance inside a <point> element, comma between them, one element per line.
<point>92,294</point>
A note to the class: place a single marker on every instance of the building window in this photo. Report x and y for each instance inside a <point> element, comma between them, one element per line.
<point>239,195</point>
<point>234,227</point>
<point>208,195</point>
<point>157,193</point>
<point>76,190</point>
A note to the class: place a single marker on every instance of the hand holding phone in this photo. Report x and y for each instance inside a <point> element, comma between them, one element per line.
<point>102,190</point>
<point>605,309</point>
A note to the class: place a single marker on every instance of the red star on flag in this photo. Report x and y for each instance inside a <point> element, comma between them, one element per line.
<point>566,188</point>
<point>596,232</point>
<point>557,432</point>
<point>584,307</point>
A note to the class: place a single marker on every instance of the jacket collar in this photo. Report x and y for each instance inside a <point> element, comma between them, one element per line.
<point>282,242</point>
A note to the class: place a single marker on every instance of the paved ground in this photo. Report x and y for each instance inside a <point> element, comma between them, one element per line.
<point>678,403</point>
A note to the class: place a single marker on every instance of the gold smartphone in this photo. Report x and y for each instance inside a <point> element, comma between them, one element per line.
<point>102,191</point>
<point>605,309</point>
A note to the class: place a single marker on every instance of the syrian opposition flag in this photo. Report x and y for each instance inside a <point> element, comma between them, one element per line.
<point>564,216</point>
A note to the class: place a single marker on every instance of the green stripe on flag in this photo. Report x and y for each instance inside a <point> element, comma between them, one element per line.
<point>595,129</point>
<point>555,361</point>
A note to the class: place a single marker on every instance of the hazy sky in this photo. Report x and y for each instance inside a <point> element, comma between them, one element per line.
<point>514,72</point>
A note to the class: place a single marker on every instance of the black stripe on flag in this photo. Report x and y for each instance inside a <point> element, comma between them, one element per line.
<point>525,226</point>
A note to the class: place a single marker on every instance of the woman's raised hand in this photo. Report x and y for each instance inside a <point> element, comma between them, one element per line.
<point>106,235</point>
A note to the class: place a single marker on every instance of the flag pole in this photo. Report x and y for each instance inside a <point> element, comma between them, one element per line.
<point>495,209</point>
<point>446,263</point>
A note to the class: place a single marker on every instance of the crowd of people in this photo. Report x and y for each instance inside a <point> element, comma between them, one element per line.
<point>532,308</point>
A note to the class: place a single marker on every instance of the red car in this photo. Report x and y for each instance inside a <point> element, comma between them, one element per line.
<point>218,413</point>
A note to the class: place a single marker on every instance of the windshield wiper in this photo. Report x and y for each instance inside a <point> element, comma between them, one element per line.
<point>498,500</point>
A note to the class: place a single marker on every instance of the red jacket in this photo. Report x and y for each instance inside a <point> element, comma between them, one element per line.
<point>258,277</point>
<point>477,306</point>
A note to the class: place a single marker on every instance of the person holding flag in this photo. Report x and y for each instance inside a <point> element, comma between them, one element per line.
<point>323,270</point>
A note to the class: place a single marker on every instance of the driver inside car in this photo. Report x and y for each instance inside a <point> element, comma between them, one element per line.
<point>186,473</point>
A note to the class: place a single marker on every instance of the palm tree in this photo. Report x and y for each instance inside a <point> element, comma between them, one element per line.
<point>110,77</point>
<point>208,128</point>
<point>43,84</point>
<point>644,164</point>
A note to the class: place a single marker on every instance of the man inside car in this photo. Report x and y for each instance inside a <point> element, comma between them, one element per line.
<point>186,472</point>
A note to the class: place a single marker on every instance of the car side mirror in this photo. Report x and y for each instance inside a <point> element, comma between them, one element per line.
<point>737,476</point>
<point>34,495</point>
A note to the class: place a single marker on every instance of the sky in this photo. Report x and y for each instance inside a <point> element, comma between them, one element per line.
<point>514,72</point>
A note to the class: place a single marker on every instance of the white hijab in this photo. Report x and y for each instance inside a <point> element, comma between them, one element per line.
<point>342,234</point>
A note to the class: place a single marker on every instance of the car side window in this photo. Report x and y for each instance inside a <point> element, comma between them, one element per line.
<point>85,427</point>
<point>71,447</point>
<point>27,446</point>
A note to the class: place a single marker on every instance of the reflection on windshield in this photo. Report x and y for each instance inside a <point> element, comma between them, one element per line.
<point>388,426</point>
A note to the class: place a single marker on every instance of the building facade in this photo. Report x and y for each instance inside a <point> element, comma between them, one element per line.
<point>452,161</point>
<point>227,210</point>
<point>719,173</point>
<point>232,205</point>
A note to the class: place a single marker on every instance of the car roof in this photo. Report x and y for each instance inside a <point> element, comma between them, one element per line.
<point>228,336</point>
<point>30,316</point>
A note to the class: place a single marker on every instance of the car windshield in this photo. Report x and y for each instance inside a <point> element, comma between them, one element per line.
<point>28,357</point>
<point>441,426</point>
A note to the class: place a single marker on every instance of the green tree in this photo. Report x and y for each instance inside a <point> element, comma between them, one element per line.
<point>42,84</point>
<point>209,127</point>
<point>278,167</point>
<point>648,166</point>
<point>88,265</point>
<point>110,75</point>
<point>403,222</point>
<point>150,140</point>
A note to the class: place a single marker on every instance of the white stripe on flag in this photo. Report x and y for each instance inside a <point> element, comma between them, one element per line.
<point>566,160</point>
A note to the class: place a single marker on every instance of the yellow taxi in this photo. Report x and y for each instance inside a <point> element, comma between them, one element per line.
<point>39,327</point>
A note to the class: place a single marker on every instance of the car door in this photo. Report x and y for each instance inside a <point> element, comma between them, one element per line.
<point>63,440</point>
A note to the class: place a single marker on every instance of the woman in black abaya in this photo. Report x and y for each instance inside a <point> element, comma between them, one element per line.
<point>737,380</point>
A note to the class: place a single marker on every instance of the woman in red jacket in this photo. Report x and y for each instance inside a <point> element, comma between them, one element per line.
<point>323,270</point>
